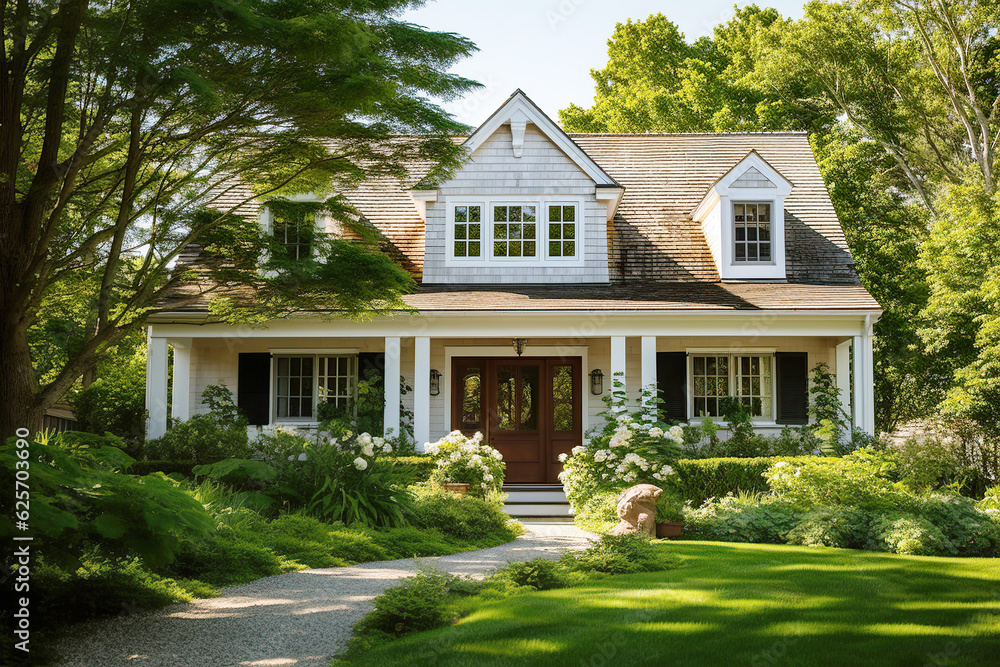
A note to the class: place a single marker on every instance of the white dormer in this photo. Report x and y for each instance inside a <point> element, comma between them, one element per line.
<point>743,217</point>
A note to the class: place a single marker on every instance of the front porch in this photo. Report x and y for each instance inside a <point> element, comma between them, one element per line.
<point>277,373</point>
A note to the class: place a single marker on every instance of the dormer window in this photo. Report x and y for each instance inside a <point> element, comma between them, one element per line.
<point>295,237</point>
<point>521,233</point>
<point>743,217</point>
<point>752,232</point>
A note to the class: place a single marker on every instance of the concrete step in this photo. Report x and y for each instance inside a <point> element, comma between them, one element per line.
<point>541,509</point>
<point>537,500</point>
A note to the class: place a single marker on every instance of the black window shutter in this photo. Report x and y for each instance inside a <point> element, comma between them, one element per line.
<point>793,387</point>
<point>253,387</point>
<point>671,379</point>
<point>371,363</point>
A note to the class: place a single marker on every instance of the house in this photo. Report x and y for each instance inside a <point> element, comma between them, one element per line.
<point>707,265</point>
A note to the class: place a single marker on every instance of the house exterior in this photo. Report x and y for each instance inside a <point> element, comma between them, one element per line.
<point>707,265</point>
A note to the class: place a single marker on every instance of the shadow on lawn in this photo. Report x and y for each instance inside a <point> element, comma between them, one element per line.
<point>749,604</point>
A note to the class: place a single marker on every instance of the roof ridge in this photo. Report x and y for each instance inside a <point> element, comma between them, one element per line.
<point>688,134</point>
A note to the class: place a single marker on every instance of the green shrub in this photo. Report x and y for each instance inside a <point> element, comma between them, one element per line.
<point>929,464</point>
<point>228,560</point>
<point>166,466</point>
<point>464,517</point>
<point>742,519</point>
<point>966,526</point>
<point>418,604</point>
<point>907,534</point>
<point>414,469</point>
<point>599,514</point>
<point>697,480</point>
<point>206,438</point>
<point>80,499</point>
<point>540,574</point>
<point>99,588</point>
<point>238,473</point>
<point>843,527</point>
<point>462,460</point>
<point>991,502</point>
<point>413,542</point>
<point>621,554</point>
<point>860,479</point>
<point>115,401</point>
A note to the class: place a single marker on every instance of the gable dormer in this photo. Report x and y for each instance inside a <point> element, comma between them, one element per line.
<point>743,217</point>
<point>528,206</point>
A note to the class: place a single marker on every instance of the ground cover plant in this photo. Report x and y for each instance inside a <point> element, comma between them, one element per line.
<point>752,603</point>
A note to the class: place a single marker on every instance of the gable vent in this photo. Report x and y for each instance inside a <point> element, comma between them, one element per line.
<point>752,178</point>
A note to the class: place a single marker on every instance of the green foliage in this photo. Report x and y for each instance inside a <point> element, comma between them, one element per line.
<point>599,512</point>
<point>908,534</point>
<point>115,401</point>
<point>932,463</point>
<point>337,480</point>
<point>842,527</point>
<point>745,518</point>
<point>166,466</point>
<point>968,529</point>
<point>240,473</point>
<point>862,479</point>
<point>621,554</point>
<point>539,573</point>
<point>991,502</point>
<point>415,469</point>
<point>365,413</point>
<point>462,460</point>
<point>229,560</point>
<point>463,517</point>
<point>206,438</point>
<point>699,479</point>
<point>80,498</point>
<point>414,606</point>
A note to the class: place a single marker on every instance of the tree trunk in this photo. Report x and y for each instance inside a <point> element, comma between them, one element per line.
<point>19,401</point>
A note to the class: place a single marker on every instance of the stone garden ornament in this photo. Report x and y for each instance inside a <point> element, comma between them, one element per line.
<point>637,510</point>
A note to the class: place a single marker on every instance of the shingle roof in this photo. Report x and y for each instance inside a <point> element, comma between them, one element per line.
<point>653,240</point>
<point>666,176</point>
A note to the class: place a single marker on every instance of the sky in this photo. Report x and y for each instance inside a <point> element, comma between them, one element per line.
<point>548,47</point>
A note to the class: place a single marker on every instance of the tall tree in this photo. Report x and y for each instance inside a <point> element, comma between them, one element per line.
<point>122,121</point>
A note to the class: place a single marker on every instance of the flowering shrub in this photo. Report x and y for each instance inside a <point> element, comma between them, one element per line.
<point>633,447</point>
<point>337,479</point>
<point>463,460</point>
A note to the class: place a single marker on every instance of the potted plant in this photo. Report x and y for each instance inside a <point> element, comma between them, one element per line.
<point>669,516</point>
<point>467,466</point>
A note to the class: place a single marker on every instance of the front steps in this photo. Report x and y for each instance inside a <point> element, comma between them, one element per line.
<point>543,501</point>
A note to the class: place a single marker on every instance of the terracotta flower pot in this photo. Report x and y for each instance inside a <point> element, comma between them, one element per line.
<point>455,487</point>
<point>669,529</point>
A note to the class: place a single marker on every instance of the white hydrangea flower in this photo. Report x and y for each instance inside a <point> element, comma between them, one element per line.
<point>302,456</point>
<point>487,477</point>
<point>387,448</point>
<point>677,433</point>
<point>656,432</point>
<point>780,464</point>
<point>562,458</point>
<point>368,449</point>
<point>360,463</point>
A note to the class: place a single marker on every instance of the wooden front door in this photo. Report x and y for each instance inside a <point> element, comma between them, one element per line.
<point>528,408</point>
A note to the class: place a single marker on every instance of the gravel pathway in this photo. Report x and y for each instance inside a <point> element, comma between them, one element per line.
<point>301,618</point>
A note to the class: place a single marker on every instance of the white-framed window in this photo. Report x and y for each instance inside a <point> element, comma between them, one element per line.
<point>467,229</point>
<point>752,232</point>
<point>716,376</point>
<point>303,382</point>
<point>524,232</point>
<point>563,230</point>
<point>515,230</point>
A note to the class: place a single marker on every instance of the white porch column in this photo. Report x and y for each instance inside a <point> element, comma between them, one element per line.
<point>864,383</point>
<point>180,399</point>
<point>618,361</point>
<point>390,414</point>
<point>648,361</point>
<point>421,390</point>
<point>156,386</point>
<point>843,371</point>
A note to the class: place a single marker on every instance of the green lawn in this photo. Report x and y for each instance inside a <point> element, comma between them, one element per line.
<point>732,604</point>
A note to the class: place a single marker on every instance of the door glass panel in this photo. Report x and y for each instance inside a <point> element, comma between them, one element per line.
<point>471,398</point>
<point>562,398</point>
<point>529,398</point>
<point>506,398</point>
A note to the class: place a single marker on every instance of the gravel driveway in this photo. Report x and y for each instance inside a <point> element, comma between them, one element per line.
<point>301,618</point>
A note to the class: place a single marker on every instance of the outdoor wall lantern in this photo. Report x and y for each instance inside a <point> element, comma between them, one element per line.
<point>519,345</point>
<point>596,382</point>
<point>435,382</point>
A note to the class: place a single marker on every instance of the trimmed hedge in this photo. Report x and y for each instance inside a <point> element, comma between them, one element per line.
<point>700,479</point>
<point>165,466</point>
<point>418,468</point>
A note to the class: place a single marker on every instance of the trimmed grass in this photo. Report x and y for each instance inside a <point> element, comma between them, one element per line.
<point>755,604</point>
